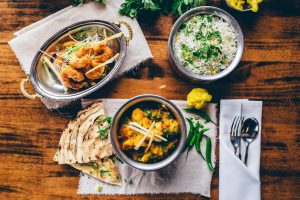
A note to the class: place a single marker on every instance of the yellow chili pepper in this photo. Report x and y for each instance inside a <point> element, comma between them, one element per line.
<point>254,4</point>
<point>198,98</point>
<point>237,4</point>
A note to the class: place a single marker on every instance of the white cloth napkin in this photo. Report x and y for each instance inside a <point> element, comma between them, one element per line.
<point>29,40</point>
<point>189,175</point>
<point>236,180</point>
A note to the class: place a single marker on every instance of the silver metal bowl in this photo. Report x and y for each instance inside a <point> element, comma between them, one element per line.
<point>116,125</point>
<point>37,75</point>
<point>181,70</point>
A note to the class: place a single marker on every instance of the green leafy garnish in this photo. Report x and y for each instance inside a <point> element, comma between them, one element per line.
<point>90,163</point>
<point>129,181</point>
<point>134,8</point>
<point>99,188</point>
<point>103,127</point>
<point>103,171</point>
<point>181,6</point>
<point>103,134</point>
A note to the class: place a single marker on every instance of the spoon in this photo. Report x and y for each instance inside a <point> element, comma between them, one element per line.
<point>250,129</point>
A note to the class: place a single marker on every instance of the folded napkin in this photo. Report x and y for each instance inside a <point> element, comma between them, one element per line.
<point>185,175</point>
<point>29,40</point>
<point>236,180</point>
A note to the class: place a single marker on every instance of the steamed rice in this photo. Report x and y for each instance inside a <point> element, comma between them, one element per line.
<point>205,44</point>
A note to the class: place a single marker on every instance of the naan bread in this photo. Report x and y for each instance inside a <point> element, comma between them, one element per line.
<point>80,142</point>
<point>81,147</point>
<point>93,148</point>
<point>104,170</point>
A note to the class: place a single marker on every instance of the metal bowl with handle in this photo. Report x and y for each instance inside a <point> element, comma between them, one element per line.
<point>193,77</point>
<point>146,100</point>
<point>41,83</point>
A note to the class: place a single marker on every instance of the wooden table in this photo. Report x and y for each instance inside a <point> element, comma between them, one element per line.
<point>269,71</point>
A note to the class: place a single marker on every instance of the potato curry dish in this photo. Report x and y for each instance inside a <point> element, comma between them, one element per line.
<point>149,135</point>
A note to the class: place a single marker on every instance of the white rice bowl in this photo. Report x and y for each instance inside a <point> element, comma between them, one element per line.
<point>205,44</point>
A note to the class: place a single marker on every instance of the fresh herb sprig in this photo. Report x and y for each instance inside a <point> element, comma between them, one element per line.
<point>134,8</point>
<point>181,6</point>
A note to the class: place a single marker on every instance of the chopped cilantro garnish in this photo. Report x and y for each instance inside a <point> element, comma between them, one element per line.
<point>104,128</point>
<point>103,171</point>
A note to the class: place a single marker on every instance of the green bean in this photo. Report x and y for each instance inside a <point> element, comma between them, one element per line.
<point>208,153</point>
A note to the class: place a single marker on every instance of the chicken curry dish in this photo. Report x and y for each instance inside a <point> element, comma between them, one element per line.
<point>149,135</point>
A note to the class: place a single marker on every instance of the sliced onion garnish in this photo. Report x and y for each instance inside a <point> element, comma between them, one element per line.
<point>110,38</point>
<point>72,37</point>
<point>50,56</point>
<point>54,69</point>
<point>138,128</point>
<point>139,144</point>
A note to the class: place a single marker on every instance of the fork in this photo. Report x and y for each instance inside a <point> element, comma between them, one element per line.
<point>235,134</point>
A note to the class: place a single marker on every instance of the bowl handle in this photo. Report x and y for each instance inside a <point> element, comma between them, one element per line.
<point>130,32</point>
<point>25,93</point>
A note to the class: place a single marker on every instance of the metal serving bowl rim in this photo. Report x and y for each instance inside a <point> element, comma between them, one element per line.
<point>203,78</point>
<point>146,166</point>
<point>81,93</point>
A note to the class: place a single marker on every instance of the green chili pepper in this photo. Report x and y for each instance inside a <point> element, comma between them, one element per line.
<point>196,131</point>
<point>201,113</point>
<point>208,153</point>
<point>198,141</point>
<point>192,142</point>
<point>194,136</point>
<point>191,133</point>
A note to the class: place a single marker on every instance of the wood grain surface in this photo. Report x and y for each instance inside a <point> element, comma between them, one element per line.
<point>269,71</point>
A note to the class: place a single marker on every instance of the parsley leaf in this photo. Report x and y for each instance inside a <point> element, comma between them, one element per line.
<point>133,8</point>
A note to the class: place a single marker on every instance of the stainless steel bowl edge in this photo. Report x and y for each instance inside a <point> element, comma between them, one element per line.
<point>115,126</point>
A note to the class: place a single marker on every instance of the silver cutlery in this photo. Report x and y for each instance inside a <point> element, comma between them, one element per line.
<point>249,132</point>
<point>235,135</point>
